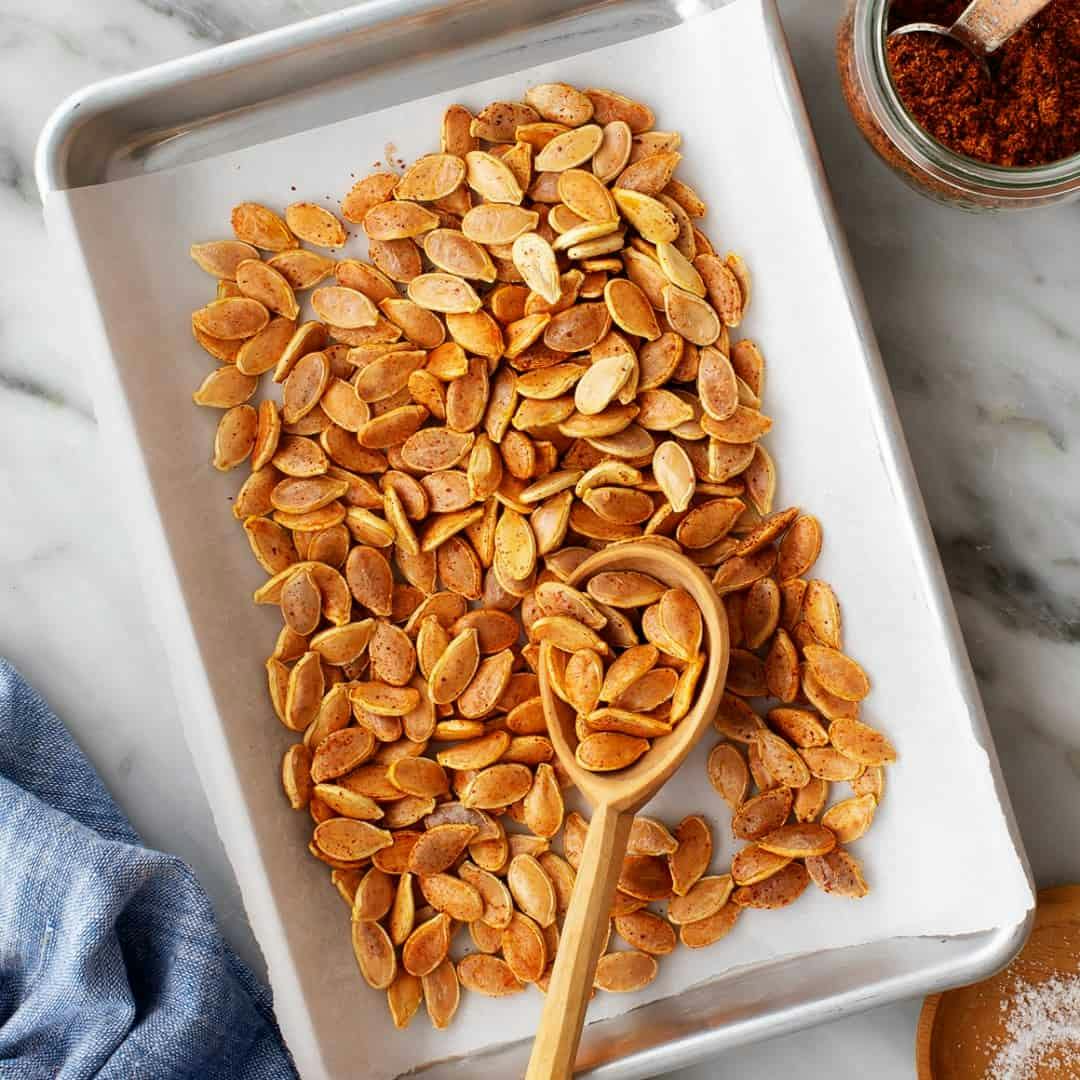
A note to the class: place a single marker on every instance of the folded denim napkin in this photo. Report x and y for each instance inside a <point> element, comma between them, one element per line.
<point>111,962</point>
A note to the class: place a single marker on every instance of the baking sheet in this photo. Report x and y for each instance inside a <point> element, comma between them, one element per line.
<point>939,857</point>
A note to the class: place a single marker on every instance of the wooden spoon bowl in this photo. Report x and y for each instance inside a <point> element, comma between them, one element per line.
<point>614,798</point>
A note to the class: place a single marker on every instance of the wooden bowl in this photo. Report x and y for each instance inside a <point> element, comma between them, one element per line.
<point>961,1031</point>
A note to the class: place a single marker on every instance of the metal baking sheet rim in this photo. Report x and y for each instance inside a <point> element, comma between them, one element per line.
<point>941,962</point>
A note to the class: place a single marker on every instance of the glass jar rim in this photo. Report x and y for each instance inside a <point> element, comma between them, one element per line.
<point>869,30</point>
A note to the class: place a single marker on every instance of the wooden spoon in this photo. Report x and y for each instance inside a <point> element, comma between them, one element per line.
<point>614,798</point>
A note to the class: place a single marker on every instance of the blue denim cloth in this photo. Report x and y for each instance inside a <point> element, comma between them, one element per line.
<point>111,963</point>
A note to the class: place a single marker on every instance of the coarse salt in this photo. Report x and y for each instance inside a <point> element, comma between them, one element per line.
<point>1042,1030</point>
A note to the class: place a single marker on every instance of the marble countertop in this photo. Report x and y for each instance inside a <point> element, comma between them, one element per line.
<point>980,329</point>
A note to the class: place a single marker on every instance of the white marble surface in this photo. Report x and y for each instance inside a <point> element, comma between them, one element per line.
<point>980,330</point>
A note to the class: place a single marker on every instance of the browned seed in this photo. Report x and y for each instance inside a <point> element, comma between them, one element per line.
<point>624,506</point>
<point>800,548</point>
<point>562,876</point>
<point>762,814</point>
<point>681,620</point>
<point>482,694</point>
<point>626,723</point>
<point>488,975</point>
<point>624,588</point>
<point>827,763</point>
<point>350,840</point>
<point>850,819</point>
<point>527,717</point>
<point>737,720</point>
<point>301,603</point>
<point>782,667</point>
<point>822,612</point>
<point>225,387</point>
<point>476,753</point>
<point>837,872</point>
<point>828,704</point>
<point>381,699</point>
<point>650,174</point>
<point>221,257</point>
<point>261,227</point>
<point>497,786</point>
<point>544,804</point>
<point>691,858</point>
<point>340,752</point>
<point>442,994</point>
<point>799,840</point>
<point>648,692</point>
<point>235,437</point>
<point>839,674</point>
<point>709,930</point>
<point>781,761</point>
<point>492,855</point>
<point>627,669</point>
<point>348,803</point>
<point>606,751</point>
<point>567,634</point>
<point>704,899</point>
<point>304,692</point>
<point>296,775</point>
<point>374,954</point>
<point>271,544</point>
<point>810,799</point>
<point>374,895</point>
<point>752,864</point>
<point>574,832</point>
<point>427,946</point>
<point>455,668</point>
<point>438,848</point>
<point>799,726</point>
<point>778,890</point>
<point>869,782</point>
<point>524,948</point>
<point>497,901</point>
<point>625,972</point>
<point>452,895</point>
<point>486,938</point>
<point>403,998</point>
<point>728,774</point>
<point>523,844</point>
<point>647,931</point>
<point>394,859</point>
<point>532,889</point>
<point>419,776</point>
<point>646,877</point>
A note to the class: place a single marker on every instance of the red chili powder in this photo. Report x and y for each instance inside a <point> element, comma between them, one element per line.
<point>1027,113</point>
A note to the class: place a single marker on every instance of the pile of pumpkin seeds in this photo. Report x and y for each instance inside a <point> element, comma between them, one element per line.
<point>536,361</point>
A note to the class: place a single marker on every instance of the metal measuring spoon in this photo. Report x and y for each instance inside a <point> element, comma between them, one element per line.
<point>983,26</point>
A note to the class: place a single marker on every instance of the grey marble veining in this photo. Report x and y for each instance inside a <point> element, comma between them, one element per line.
<point>979,325</point>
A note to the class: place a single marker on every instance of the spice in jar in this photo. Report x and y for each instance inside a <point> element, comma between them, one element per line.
<point>1026,113</point>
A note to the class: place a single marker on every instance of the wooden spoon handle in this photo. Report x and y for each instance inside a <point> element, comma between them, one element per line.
<point>985,25</point>
<point>580,943</point>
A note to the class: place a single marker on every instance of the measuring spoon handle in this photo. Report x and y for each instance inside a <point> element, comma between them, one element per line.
<point>580,943</point>
<point>985,25</point>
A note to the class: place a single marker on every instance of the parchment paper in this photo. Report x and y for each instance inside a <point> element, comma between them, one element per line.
<point>939,856</point>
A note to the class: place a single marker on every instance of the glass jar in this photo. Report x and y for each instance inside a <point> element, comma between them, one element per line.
<point>916,156</point>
